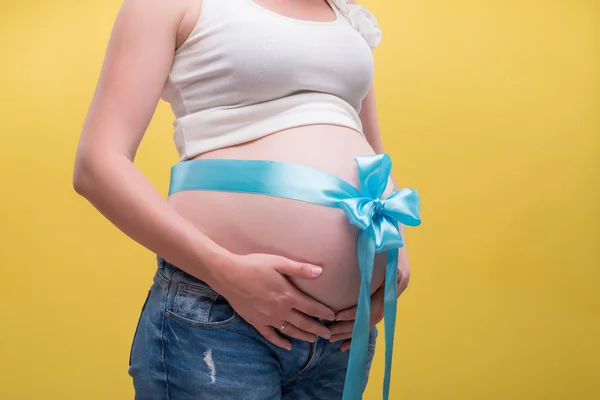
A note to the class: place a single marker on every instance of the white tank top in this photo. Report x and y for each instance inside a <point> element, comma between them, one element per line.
<point>246,72</point>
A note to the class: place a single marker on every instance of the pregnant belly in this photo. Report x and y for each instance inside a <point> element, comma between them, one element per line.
<point>250,223</point>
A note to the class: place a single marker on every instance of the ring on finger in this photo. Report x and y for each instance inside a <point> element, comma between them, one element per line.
<point>285,323</point>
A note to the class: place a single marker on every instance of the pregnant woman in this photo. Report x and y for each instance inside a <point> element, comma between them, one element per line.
<point>281,242</point>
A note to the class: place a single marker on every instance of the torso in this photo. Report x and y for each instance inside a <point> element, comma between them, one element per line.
<point>249,223</point>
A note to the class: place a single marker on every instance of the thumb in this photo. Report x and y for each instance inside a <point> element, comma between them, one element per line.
<point>296,269</point>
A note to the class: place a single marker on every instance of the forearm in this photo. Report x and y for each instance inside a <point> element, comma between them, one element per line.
<point>124,196</point>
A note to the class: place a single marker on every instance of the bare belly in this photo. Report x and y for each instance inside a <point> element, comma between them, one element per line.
<point>250,223</point>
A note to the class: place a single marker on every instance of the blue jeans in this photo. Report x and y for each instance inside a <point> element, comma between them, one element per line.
<point>191,344</point>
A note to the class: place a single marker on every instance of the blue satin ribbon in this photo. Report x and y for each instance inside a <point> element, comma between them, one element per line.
<point>376,218</point>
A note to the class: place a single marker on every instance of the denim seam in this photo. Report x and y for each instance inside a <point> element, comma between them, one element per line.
<point>137,327</point>
<point>318,367</point>
<point>309,358</point>
<point>196,324</point>
<point>206,293</point>
<point>162,339</point>
<point>312,374</point>
<point>200,290</point>
<point>308,376</point>
<point>162,280</point>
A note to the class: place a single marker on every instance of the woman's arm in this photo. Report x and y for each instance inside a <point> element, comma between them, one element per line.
<point>136,66</point>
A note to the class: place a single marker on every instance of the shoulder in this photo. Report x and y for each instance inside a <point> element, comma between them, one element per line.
<point>190,13</point>
<point>148,8</point>
<point>362,19</point>
<point>152,15</point>
<point>179,16</point>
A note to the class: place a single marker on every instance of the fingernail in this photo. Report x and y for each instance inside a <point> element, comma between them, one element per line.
<point>317,271</point>
<point>289,347</point>
<point>327,336</point>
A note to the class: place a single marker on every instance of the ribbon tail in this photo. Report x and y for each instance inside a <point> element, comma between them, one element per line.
<point>389,310</point>
<point>355,374</point>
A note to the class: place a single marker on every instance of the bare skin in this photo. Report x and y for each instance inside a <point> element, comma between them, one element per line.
<point>269,275</point>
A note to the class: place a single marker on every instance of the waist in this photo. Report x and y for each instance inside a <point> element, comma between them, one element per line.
<point>202,131</point>
<point>326,147</point>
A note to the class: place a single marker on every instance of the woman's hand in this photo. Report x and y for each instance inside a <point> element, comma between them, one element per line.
<point>256,287</point>
<point>342,329</point>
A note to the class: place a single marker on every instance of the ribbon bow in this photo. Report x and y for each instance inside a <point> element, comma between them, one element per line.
<point>378,221</point>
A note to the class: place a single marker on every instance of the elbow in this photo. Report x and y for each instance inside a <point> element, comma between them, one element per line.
<point>82,176</point>
<point>79,187</point>
<point>79,181</point>
<point>92,170</point>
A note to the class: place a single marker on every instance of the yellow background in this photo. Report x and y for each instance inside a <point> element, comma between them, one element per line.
<point>490,108</point>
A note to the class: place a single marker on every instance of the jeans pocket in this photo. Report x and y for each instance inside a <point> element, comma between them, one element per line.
<point>137,327</point>
<point>198,305</point>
